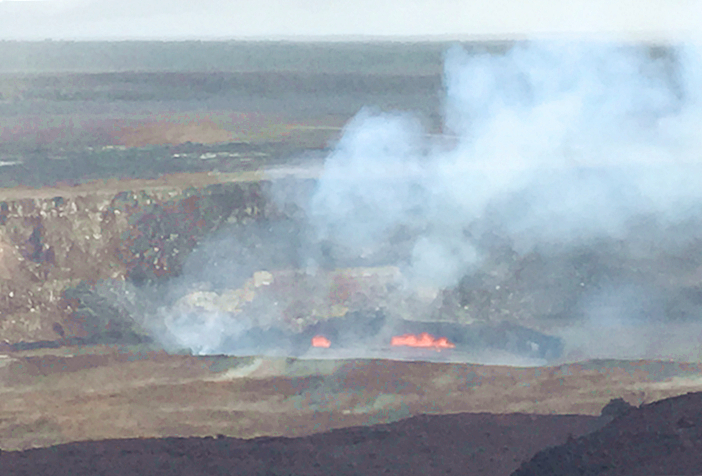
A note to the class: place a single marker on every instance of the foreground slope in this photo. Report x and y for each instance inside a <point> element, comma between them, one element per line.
<point>659,438</point>
<point>663,437</point>
<point>449,444</point>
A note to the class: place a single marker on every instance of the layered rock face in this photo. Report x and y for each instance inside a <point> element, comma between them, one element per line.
<point>70,261</point>
<point>51,248</point>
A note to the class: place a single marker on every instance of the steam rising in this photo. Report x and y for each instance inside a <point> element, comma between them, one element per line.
<point>548,147</point>
<point>555,143</point>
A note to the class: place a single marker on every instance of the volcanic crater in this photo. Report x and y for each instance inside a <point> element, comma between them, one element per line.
<point>170,302</point>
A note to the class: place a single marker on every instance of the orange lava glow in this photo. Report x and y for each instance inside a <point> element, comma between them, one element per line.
<point>320,341</point>
<point>423,340</point>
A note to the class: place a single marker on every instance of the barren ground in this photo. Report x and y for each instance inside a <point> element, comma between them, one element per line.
<point>449,444</point>
<point>98,393</point>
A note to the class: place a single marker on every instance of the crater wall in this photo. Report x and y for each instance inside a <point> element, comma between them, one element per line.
<point>52,244</point>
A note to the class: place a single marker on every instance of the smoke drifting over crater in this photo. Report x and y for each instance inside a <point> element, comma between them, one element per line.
<point>554,144</point>
<point>554,149</point>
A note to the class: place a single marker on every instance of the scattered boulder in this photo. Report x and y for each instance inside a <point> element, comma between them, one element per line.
<point>616,408</point>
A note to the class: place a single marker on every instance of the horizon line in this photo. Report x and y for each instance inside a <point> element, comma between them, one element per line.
<point>625,37</point>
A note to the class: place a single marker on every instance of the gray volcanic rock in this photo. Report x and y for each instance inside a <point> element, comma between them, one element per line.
<point>663,437</point>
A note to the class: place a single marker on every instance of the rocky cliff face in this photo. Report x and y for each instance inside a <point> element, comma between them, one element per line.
<point>71,256</point>
<point>53,248</point>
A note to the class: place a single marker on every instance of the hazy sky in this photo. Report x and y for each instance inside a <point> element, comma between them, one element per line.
<point>205,19</point>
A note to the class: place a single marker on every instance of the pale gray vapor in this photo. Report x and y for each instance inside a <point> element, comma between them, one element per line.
<point>556,143</point>
<point>551,147</point>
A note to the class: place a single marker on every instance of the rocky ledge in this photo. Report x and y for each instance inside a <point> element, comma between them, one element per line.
<point>57,242</point>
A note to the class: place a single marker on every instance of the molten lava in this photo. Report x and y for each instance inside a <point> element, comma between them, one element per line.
<point>320,341</point>
<point>423,340</point>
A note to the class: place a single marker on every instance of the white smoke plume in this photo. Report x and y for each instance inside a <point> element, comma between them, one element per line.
<point>546,147</point>
<point>553,143</point>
